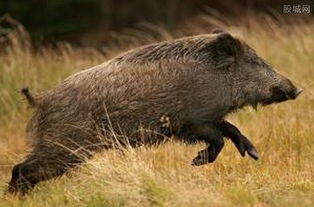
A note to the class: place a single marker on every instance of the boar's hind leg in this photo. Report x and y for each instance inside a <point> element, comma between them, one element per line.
<point>23,177</point>
<point>39,168</point>
<point>209,134</point>
<point>242,143</point>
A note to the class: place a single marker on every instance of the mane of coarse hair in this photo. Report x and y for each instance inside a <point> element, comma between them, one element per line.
<point>174,50</point>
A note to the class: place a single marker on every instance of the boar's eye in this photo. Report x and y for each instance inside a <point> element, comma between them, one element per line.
<point>257,62</point>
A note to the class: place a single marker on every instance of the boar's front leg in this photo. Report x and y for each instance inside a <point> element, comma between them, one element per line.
<point>242,143</point>
<point>209,154</point>
<point>207,133</point>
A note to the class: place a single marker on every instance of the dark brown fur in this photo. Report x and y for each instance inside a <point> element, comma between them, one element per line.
<point>184,88</point>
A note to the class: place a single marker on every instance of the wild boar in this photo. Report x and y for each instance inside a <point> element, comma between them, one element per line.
<point>182,88</point>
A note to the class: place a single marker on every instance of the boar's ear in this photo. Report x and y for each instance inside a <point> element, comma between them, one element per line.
<point>226,50</point>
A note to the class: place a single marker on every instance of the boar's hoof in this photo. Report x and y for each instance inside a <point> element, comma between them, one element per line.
<point>198,161</point>
<point>249,148</point>
<point>253,153</point>
<point>204,157</point>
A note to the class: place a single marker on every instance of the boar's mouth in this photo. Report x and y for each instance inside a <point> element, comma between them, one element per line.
<point>279,95</point>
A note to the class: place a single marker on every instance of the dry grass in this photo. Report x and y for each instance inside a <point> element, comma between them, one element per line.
<point>163,176</point>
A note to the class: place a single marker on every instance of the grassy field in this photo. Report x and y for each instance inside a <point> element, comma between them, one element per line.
<point>163,176</point>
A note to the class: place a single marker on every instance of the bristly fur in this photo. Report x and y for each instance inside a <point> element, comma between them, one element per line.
<point>194,82</point>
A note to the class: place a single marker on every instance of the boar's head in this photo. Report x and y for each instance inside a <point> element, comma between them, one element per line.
<point>253,80</point>
<point>265,85</point>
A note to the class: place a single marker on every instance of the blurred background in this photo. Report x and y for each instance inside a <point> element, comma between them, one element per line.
<point>95,22</point>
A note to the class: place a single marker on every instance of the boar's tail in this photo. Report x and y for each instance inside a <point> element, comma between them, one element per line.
<point>31,100</point>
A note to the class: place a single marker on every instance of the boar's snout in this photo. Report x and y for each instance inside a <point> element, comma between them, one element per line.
<point>295,93</point>
<point>289,89</point>
<point>285,91</point>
